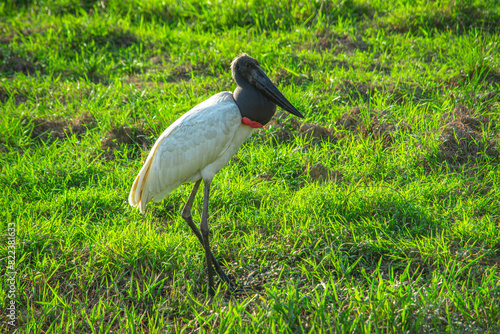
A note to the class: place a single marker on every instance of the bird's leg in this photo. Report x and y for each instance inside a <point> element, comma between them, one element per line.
<point>186,214</point>
<point>204,233</point>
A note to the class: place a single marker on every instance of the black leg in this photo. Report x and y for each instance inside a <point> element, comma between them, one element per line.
<point>204,233</point>
<point>186,214</point>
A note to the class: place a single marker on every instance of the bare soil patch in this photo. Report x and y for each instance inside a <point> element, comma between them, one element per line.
<point>328,40</point>
<point>157,60</point>
<point>181,73</point>
<point>377,128</point>
<point>285,128</point>
<point>407,91</point>
<point>6,38</point>
<point>398,94</point>
<point>125,135</point>
<point>462,139</point>
<point>284,77</point>
<point>377,67</point>
<point>460,16</point>
<point>19,65</point>
<point>350,120</point>
<point>321,173</point>
<point>315,132</point>
<point>483,73</point>
<point>356,91</point>
<point>49,130</point>
<point>117,38</point>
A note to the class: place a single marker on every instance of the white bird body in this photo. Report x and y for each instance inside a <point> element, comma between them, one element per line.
<point>202,141</point>
<point>194,147</point>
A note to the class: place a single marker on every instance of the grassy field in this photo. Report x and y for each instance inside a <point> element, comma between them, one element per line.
<point>378,213</point>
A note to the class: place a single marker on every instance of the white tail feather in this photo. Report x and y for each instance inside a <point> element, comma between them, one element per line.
<point>139,194</point>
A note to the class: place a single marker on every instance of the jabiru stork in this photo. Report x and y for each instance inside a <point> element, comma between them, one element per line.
<point>198,144</point>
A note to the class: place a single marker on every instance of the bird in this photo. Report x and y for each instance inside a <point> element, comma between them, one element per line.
<point>202,141</point>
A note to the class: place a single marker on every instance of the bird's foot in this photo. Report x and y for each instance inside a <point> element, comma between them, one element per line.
<point>241,291</point>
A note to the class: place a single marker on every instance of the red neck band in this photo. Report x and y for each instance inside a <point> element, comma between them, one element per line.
<point>250,123</point>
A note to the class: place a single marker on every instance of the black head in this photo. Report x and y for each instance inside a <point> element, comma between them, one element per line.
<point>256,95</point>
<point>246,67</point>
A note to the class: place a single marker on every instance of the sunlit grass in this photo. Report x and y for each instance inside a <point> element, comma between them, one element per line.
<point>384,219</point>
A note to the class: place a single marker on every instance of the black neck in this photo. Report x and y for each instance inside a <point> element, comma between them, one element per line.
<point>252,103</point>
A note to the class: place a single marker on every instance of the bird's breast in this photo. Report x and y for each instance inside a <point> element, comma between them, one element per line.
<point>197,145</point>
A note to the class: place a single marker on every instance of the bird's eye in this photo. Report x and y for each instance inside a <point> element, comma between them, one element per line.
<point>248,65</point>
<point>237,67</point>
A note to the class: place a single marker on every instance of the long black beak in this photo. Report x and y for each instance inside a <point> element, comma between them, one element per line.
<point>265,85</point>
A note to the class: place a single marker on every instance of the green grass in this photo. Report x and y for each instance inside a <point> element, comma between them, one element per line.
<point>384,218</point>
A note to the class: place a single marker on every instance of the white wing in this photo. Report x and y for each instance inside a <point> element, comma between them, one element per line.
<point>197,145</point>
